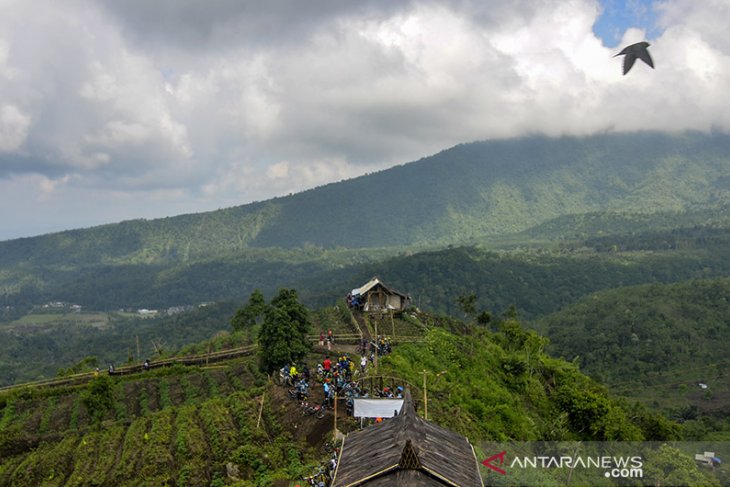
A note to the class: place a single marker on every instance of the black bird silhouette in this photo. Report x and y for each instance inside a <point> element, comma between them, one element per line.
<point>634,51</point>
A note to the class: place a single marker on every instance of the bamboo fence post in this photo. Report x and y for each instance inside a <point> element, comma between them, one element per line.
<point>425,397</point>
<point>261,410</point>
<point>334,431</point>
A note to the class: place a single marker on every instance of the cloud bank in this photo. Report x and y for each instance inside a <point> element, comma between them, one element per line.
<point>115,110</point>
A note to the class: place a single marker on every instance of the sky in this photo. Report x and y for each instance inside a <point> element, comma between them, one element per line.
<point>114,110</point>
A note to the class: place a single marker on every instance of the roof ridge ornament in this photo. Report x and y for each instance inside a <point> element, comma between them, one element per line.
<point>409,458</point>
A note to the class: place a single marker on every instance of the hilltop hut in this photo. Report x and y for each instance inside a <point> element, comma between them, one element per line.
<point>407,451</point>
<point>376,296</point>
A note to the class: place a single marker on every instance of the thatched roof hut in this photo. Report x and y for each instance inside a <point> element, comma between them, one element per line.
<point>376,296</point>
<point>406,451</point>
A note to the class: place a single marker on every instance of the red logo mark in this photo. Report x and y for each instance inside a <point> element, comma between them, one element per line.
<point>488,462</point>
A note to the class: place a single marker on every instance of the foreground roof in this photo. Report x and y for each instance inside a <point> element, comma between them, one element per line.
<point>407,451</point>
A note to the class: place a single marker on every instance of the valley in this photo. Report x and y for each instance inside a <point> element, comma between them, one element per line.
<point>557,289</point>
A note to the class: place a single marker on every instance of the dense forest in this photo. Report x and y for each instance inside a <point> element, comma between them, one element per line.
<point>538,279</point>
<point>633,332</point>
<point>663,344</point>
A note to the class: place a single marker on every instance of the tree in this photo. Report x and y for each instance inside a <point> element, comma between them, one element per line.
<point>510,313</point>
<point>484,318</point>
<point>467,303</point>
<point>671,466</point>
<point>288,300</point>
<point>97,398</point>
<point>248,315</point>
<point>283,333</point>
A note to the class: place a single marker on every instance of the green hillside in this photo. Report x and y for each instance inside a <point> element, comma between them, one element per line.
<point>601,224</point>
<point>37,345</point>
<point>472,190</point>
<point>657,343</point>
<point>501,187</point>
<point>634,332</point>
<point>507,193</point>
<point>196,425</point>
<point>538,281</point>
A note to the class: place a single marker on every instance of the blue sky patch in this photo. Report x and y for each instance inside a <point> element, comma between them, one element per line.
<point>619,15</point>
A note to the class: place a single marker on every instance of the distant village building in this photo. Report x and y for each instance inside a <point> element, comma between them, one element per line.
<point>707,459</point>
<point>376,296</point>
<point>407,451</point>
<point>62,305</point>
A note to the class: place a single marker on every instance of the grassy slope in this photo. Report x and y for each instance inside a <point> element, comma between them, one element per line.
<point>184,425</point>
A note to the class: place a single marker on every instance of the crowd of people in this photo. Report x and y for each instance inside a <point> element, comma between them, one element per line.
<point>338,378</point>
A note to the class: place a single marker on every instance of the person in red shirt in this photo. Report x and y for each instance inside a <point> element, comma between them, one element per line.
<point>327,365</point>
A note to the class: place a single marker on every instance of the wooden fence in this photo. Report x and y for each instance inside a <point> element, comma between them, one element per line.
<point>75,379</point>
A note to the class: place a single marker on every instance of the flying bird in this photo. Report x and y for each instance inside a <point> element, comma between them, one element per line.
<point>634,51</point>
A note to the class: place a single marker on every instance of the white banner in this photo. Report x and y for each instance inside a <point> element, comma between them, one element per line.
<point>377,408</point>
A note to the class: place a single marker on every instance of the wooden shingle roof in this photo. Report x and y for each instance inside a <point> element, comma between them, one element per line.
<point>407,451</point>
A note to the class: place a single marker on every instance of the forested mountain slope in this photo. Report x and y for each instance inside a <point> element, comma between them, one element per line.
<point>537,282</point>
<point>637,333</point>
<point>548,189</point>
<point>500,187</point>
<point>662,344</point>
<point>471,190</point>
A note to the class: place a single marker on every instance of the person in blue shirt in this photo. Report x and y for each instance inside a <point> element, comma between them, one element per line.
<point>326,385</point>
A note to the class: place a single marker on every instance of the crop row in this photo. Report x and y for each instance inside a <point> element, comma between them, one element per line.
<point>49,414</point>
<point>181,445</point>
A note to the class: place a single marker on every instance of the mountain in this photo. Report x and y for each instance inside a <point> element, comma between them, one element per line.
<point>506,186</point>
<point>536,281</point>
<point>533,188</point>
<point>472,190</point>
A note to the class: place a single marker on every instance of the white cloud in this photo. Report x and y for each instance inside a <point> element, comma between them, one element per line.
<point>708,19</point>
<point>280,170</point>
<point>6,71</point>
<point>13,128</point>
